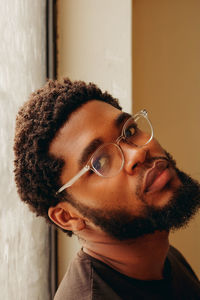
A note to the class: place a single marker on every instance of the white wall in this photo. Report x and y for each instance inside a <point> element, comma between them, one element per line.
<point>24,249</point>
<point>94,44</point>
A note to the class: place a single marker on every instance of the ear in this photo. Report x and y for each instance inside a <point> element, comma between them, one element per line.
<point>64,216</point>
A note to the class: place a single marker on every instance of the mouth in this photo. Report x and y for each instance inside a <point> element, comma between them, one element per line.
<point>157,177</point>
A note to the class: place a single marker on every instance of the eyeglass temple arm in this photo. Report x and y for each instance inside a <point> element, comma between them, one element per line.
<point>75,178</point>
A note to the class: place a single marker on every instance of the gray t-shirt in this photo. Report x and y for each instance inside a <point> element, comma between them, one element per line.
<point>90,279</point>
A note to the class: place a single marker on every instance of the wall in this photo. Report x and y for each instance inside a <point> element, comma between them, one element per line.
<point>24,240</point>
<point>166,81</point>
<point>94,44</point>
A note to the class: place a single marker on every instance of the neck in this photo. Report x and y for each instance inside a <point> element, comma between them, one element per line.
<point>142,258</point>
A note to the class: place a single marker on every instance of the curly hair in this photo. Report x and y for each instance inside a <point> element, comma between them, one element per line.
<point>37,173</point>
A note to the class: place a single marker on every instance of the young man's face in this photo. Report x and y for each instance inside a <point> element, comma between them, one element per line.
<point>124,197</point>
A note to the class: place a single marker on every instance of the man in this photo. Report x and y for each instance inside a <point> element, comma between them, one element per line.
<point>99,173</point>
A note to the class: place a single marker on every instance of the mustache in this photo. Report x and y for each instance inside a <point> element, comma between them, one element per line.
<point>168,157</point>
<point>149,162</point>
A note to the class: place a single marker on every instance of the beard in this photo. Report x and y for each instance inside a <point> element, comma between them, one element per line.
<point>120,225</point>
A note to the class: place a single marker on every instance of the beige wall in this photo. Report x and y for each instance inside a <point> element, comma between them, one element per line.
<point>94,44</point>
<point>166,81</point>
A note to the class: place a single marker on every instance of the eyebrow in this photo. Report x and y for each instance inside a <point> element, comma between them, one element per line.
<point>94,144</point>
<point>87,152</point>
<point>121,119</point>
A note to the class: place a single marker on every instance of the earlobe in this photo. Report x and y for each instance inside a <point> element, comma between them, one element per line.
<point>61,216</point>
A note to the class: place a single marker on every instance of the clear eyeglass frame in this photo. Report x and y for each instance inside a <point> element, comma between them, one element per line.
<point>89,166</point>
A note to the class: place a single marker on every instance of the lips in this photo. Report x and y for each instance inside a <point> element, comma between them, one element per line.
<point>157,177</point>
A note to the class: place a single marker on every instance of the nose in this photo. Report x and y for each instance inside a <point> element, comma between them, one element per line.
<point>133,156</point>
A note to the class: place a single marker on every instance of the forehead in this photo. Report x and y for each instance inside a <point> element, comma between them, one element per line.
<point>88,122</point>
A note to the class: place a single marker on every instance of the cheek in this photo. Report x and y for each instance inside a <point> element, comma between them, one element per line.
<point>107,193</point>
<point>98,192</point>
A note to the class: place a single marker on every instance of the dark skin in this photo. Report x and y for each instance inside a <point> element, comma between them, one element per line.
<point>141,258</point>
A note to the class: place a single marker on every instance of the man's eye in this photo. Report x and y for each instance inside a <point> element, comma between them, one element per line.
<point>130,131</point>
<point>101,163</point>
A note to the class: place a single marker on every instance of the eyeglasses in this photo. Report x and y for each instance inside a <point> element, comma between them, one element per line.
<point>108,159</point>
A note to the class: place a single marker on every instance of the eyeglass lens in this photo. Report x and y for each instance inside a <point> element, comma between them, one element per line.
<point>137,131</point>
<point>108,159</point>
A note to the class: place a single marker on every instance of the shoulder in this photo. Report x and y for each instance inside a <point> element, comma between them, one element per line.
<point>178,261</point>
<point>185,283</point>
<point>87,279</point>
<point>77,281</point>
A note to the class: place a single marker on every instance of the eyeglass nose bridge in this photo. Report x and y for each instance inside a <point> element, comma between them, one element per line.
<point>121,137</point>
<point>118,140</point>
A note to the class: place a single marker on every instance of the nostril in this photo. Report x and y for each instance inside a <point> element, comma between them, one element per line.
<point>134,166</point>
